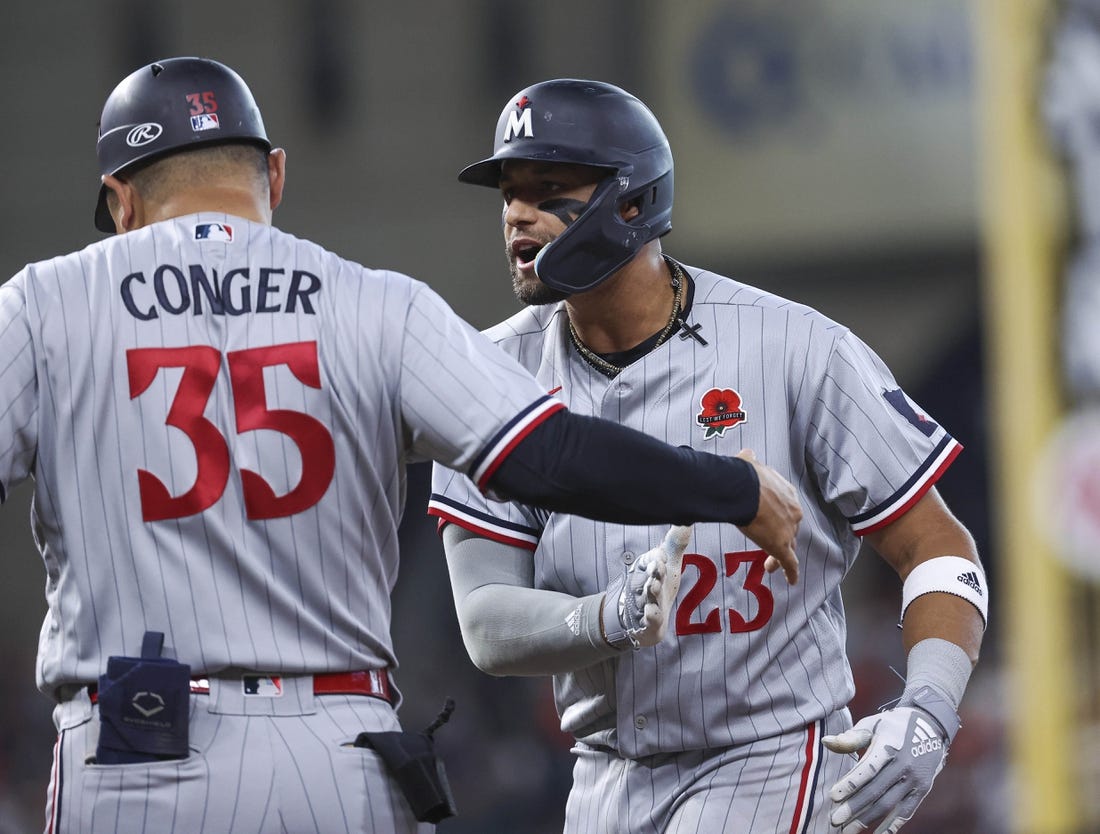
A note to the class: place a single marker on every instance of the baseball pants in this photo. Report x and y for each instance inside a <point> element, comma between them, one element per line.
<point>274,765</point>
<point>774,785</point>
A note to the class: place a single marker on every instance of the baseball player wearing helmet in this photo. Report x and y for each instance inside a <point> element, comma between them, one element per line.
<point>704,694</point>
<point>217,417</point>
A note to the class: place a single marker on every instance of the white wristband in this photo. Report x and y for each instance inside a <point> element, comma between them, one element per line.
<point>948,575</point>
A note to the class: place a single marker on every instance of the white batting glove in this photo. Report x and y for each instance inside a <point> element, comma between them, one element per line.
<point>638,603</point>
<point>906,748</point>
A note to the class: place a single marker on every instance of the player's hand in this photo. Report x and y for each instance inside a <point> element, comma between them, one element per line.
<point>776,522</point>
<point>641,599</point>
<point>905,750</point>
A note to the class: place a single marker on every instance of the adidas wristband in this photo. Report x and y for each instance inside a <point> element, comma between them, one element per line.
<point>949,575</point>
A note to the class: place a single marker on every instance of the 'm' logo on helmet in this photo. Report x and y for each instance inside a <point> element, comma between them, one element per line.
<point>519,120</point>
<point>143,134</point>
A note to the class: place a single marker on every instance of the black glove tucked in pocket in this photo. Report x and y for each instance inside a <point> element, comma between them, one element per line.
<point>415,766</point>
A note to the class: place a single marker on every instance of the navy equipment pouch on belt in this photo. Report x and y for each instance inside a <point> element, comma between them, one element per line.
<point>144,703</point>
<point>414,765</point>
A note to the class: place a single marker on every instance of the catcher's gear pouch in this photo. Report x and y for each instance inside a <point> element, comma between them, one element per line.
<point>144,703</point>
<point>417,769</point>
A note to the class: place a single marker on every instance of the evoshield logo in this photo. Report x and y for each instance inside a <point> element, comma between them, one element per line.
<point>147,703</point>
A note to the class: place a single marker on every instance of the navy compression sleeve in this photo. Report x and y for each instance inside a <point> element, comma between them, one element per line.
<point>597,469</point>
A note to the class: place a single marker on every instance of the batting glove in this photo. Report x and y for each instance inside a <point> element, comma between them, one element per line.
<point>638,602</point>
<point>906,748</point>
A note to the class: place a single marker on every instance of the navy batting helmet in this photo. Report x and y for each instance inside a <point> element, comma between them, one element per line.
<point>172,105</point>
<point>598,124</point>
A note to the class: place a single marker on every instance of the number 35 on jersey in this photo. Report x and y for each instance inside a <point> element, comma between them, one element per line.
<point>201,366</point>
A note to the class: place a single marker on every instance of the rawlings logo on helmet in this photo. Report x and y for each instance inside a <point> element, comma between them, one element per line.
<point>143,134</point>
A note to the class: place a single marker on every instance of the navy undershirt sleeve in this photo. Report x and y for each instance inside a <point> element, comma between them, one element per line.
<point>597,469</point>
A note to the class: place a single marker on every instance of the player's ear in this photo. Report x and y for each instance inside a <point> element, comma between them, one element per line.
<point>630,209</point>
<point>124,203</point>
<point>276,175</point>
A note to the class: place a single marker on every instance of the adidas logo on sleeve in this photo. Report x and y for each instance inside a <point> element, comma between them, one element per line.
<point>971,579</point>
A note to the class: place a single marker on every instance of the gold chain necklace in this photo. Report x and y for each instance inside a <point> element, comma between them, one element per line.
<point>605,367</point>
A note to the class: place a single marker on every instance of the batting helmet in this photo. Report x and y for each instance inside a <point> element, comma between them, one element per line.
<point>172,105</point>
<point>598,124</point>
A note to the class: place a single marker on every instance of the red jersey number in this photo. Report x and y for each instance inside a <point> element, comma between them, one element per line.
<point>753,582</point>
<point>200,370</point>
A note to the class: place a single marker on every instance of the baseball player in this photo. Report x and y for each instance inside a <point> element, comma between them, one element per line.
<point>217,417</point>
<point>714,700</point>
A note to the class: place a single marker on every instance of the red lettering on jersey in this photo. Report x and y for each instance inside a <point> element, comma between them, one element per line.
<point>200,370</point>
<point>246,371</point>
<point>705,583</point>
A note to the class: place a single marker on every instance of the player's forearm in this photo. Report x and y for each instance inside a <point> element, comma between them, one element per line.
<point>523,631</point>
<point>596,469</point>
<point>508,626</point>
<point>947,617</point>
<point>944,591</point>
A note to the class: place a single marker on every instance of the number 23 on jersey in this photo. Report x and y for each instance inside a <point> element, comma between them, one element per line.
<point>201,366</point>
<point>710,620</point>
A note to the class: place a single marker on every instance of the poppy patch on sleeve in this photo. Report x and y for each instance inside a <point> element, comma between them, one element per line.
<point>901,405</point>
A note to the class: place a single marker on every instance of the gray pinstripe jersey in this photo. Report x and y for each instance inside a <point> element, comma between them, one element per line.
<point>217,416</point>
<point>748,656</point>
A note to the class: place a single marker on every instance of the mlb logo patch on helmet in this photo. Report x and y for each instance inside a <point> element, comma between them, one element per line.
<point>206,121</point>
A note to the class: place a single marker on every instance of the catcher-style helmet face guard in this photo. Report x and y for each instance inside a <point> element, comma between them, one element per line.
<point>596,124</point>
<point>172,105</point>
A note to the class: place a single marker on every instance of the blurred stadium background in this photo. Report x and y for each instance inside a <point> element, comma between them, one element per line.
<point>886,161</point>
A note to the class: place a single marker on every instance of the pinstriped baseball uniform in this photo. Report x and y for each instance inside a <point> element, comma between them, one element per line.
<point>748,658</point>
<point>217,416</point>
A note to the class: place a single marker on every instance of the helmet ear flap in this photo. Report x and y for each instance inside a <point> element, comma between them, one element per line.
<point>597,244</point>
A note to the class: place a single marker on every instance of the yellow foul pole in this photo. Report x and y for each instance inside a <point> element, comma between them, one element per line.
<point>1031,597</point>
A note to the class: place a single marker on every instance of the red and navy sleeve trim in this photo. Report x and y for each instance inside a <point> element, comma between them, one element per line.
<point>482,524</point>
<point>502,444</point>
<point>911,491</point>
